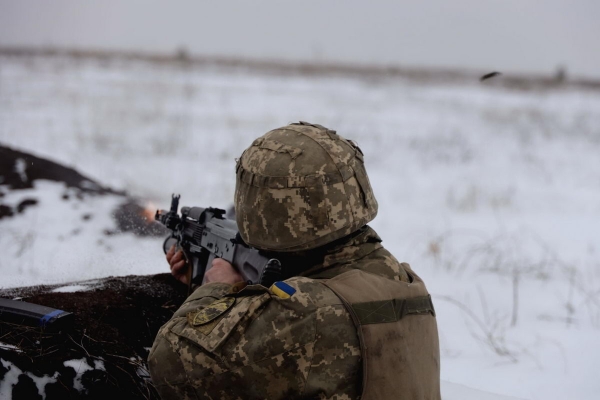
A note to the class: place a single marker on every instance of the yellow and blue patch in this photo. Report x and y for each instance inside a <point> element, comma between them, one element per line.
<point>282,290</point>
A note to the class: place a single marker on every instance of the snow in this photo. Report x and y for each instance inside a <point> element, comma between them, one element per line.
<point>54,243</point>
<point>490,193</point>
<point>454,391</point>
<point>71,289</point>
<point>6,346</point>
<point>81,366</point>
<point>12,377</point>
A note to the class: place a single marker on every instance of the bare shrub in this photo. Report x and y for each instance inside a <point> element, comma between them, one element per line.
<point>520,257</point>
<point>491,332</point>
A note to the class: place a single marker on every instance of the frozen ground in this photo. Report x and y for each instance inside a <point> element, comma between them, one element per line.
<point>492,194</point>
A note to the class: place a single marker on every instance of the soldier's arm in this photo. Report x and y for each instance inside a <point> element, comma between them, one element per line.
<point>167,369</point>
<point>335,371</point>
<point>258,345</point>
<point>170,364</point>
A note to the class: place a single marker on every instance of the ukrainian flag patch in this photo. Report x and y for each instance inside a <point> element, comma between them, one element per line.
<point>282,290</point>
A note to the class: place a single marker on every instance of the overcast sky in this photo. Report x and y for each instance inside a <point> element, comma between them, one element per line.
<point>508,35</point>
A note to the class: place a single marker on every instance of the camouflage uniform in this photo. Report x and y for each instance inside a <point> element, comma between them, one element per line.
<point>300,188</point>
<point>267,347</point>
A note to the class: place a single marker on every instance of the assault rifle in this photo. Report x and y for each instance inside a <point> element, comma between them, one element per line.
<point>205,234</point>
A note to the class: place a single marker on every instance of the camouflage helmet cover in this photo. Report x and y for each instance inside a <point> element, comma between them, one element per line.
<point>300,187</point>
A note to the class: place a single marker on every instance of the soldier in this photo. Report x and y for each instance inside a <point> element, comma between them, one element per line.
<point>347,321</point>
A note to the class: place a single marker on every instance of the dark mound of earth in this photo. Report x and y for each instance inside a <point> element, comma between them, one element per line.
<point>114,326</point>
<point>19,170</point>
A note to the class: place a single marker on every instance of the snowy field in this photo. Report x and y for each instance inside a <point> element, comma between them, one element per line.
<point>491,194</point>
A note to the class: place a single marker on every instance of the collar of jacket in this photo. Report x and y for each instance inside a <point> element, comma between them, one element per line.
<point>359,246</point>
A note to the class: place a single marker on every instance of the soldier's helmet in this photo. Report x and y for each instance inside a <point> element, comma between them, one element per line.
<point>300,187</point>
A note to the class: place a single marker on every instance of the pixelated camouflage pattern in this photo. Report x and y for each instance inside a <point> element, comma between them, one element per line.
<point>343,259</point>
<point>265,347</point>
<point>300,187</point>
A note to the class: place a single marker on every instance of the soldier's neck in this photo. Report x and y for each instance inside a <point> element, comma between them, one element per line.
<point>298,263</point>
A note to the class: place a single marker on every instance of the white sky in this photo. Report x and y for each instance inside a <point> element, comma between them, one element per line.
<point>510,35</point>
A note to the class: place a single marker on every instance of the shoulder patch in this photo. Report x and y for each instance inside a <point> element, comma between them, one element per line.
<point>210,312</point>
<point>282,290</point>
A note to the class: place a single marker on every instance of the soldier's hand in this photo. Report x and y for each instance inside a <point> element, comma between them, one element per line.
<point>223,272</point>
<point>178,264</point>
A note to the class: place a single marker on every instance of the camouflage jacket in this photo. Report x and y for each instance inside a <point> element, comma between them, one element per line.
<point>226,343</point>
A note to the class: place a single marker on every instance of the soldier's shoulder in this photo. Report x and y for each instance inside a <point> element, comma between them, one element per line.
<point>213,318</point>
<point>382,262</point>
<point>311,293</point>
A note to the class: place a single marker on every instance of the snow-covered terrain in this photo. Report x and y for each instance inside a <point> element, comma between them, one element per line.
<point>491,194</point>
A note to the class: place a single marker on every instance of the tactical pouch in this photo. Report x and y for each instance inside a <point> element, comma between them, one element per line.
<point>398,334</point>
